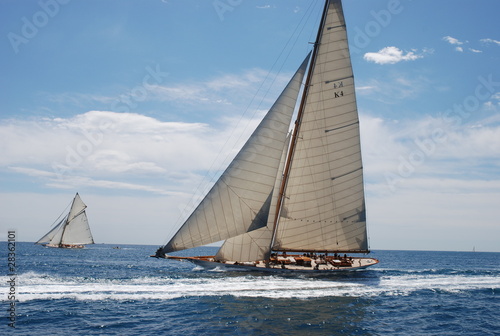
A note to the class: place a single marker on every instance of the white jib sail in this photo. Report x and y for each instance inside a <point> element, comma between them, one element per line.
<point>255,245</point>
<point>324,207</point>
<point>239,201</point>
<point>51,235</point>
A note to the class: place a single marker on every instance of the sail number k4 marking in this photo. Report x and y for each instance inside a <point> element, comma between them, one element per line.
<point>337,85</point>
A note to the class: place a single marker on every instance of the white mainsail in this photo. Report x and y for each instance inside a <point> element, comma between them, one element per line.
<point>323,208</point>
<point>73,229</point>
<point>240,200</point>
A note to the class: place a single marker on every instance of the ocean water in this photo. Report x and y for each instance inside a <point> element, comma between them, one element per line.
<point>101,290</point>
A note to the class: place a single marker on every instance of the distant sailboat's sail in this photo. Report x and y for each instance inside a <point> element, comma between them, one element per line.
<point>240,200</point>
<point>71,230</point>
<point>323,208</point>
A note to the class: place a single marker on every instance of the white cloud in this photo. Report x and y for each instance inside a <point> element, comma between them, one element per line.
<point>452,40</point>
<point>365,88</point>
<point>397,152</point>
<point>454,176</point>
<point>226,89</point>
<point>131,151</point>
<point>103,149</point>
<point>459,45</point>
<point>223,94</point>
<point>391,55</point>
<point>456,42</point>
<point>442,177</point>
<point>392,88</point>
<point>488,40</point>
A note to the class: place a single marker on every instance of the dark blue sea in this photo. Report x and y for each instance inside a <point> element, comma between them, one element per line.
<point>103,290</point>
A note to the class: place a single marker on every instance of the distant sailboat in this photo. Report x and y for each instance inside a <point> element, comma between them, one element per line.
<point>292,204</point>
<point>73,231</point>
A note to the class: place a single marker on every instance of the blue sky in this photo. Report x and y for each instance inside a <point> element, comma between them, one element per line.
<point>138,104</point>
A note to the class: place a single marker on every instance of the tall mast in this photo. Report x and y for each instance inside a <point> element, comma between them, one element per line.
<point>298,122</point>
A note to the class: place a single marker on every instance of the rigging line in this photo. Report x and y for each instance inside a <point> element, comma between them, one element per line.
<point>202,187</point>
<point>64,211</point>
<point>295,34</point>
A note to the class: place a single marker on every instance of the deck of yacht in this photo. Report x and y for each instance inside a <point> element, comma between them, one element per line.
<point>284,263</point>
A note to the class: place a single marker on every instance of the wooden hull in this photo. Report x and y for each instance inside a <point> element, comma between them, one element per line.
<point>323,266</point>
<point>68,246</point>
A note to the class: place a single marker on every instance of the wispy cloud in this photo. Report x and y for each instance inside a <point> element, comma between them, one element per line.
<point>475,50</point>
<point>225,92</point>
<point>460,45</point>
<point>456,42</point>
<point>452,40</point>
<point>393,87</point>
<point>392,55</point>
<point>470,152</point>
<point>489,41</point>
<point>75,182</point>
<point>78,99</point>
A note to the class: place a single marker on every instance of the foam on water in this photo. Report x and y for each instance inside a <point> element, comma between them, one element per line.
<point>39,286</point>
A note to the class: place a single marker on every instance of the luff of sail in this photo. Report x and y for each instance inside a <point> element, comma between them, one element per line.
<point>240,200</point>
<point>73,229</point>
<point>324,205</point>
